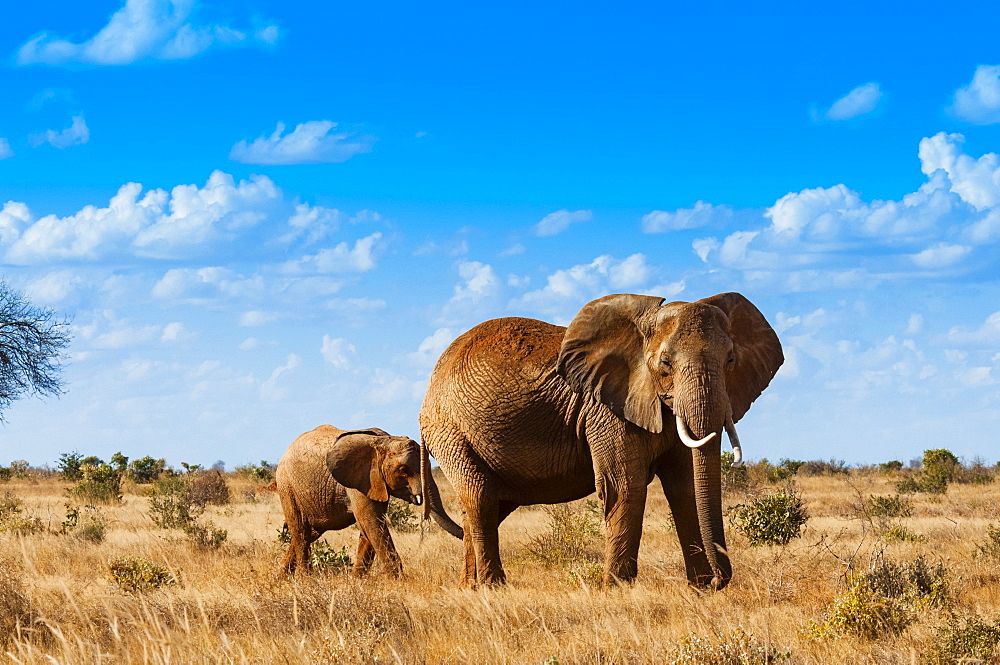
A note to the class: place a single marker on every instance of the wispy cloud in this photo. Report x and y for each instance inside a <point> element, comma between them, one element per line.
<point>978,101</point>
<point>313,142</point>
<point>702,214</point>
<point>76,134</point>
<point>560,220</point>
<point>860,101</point>
<point>5,149</point>
<point>142,30</point>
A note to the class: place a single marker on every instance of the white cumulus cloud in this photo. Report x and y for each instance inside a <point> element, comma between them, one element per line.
<point>76,134</point>
<point>313,142</point>
<point>341,258</point>
<point>978,102</point>
<point>558,221</point>
<point>141,30</point>
<point>860,101</point>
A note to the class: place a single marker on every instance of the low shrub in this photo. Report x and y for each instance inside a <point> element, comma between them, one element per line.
<point>831,467</point>
<point>572,537</point>
<point>146,469</point>
<point>172,505</point>
<point>890,467</point>
<point>965,640</point>
<point>327,559</point>
<point>12,519</point>
<point>208,488</point>
<point>735,479</point>
<point>889,506</point>
<point>737,648</point>
<point>897,533</point>
<point>399,515</point>
<point>137,575</point>
<point>884,600</point>
<point>771,519</point>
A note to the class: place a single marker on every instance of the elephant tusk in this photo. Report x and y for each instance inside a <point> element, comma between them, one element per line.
<point>734,440</point>
<point>418,499</point>
<point>682,430</point>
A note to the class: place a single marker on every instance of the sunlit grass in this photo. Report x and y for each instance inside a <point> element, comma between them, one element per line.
<point>60,603</point>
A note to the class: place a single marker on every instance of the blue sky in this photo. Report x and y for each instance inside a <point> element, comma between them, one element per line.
<point>265,216</point>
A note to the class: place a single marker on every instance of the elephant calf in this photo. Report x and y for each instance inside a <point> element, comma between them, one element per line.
<point>329,478</point>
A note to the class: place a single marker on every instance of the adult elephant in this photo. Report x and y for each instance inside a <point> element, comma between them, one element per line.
<point>520,412</point>
<point>330,478</point>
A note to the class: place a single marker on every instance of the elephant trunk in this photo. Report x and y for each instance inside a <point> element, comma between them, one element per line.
<point>432,497</point>
<point>708,499</point>
<point>706,412</point>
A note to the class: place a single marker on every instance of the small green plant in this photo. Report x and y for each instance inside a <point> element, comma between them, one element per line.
<point>12,519</point>
<point>737,648</point>
<point>137,575</point>
<point>326,558</point>
<point>99,483</point>
<point>889,506</point>
<point>5,473</point>
<point>572,536</point>
<point>771,519</point>
<point>85,523</point>
<point>966,640</point>
<point>890,467</point>
<point>399,515</point>
<point>897,533</point>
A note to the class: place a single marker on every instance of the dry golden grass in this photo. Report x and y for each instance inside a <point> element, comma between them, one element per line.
<point>59,605</point>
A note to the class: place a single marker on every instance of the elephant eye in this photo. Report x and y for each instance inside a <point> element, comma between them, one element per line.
<point>666,363</point>
<point>731,360</point>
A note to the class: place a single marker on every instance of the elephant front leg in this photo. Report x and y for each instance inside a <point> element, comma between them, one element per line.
<point>371,520</point>
<point>624,506</point>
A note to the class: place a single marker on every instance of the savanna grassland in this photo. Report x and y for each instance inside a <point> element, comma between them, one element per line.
<point>911,578</point>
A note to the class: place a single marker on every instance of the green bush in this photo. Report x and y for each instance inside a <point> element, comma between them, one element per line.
<point>889,506</point>
<point>771,519</point>
<point>19,468</point>
<point>69,465</point>
<point>100,483</point>
<point>884,600</point>
<point>889,467</point>
<point>735,479</point>
<point>737,648</point>
<point>5,473</point>
<point>399,515</point>
<point>965,640</point>
<point>325,558</point>
<point>137,575</point>
<point>146,469</point>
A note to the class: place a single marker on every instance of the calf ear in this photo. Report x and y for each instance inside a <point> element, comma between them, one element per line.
<point>355,461</point>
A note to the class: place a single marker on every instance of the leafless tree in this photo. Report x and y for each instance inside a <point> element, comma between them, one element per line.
<point>32,341</point>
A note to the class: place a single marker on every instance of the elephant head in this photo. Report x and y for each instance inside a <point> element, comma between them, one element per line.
<point>697,364</point>
<point>377,464</point>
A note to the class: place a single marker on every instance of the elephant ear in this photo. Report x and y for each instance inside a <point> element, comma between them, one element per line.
<point>756,347</point>
<point>603,355</point>
<point>355,461</point>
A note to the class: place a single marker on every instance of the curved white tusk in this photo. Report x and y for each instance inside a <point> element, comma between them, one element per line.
<point>682,430</point>
<point>735,441</point>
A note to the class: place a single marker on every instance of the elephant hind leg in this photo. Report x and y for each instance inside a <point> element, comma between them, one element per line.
<point>482,538</point>
<point>299,532</point>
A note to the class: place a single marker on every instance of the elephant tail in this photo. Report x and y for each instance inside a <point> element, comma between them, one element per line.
<point>432,497</point>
